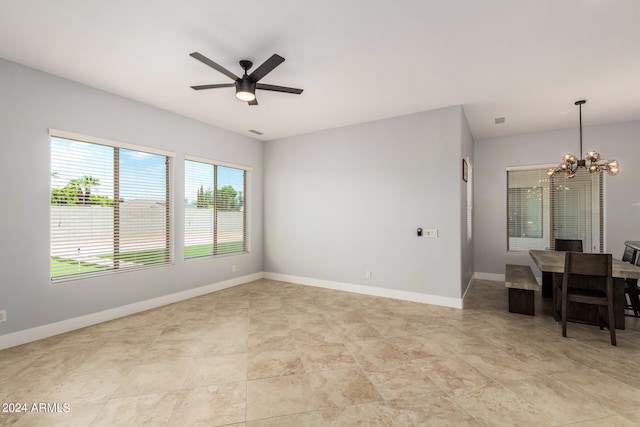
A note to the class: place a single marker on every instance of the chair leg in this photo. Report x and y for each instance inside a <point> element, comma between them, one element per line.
<point>601,319</point>
<point>629,303</point>
<point>564,316</point>
<point>612,323</point>
<point>556,303</point>
<point>635,302</point>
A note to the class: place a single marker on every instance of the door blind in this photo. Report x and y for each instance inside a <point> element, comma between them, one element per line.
<point>576,207</point>
<point>527,204</point>
<point>541,209</point>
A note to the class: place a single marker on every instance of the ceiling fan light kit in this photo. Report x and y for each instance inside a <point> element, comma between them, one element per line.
<point>245,91</point>
<point>571,163</point>
<point>247,84</point>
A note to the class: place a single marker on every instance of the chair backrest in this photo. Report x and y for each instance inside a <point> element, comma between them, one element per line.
<point>597,266</point>
<point>628,255</point>
<point>568,245</point>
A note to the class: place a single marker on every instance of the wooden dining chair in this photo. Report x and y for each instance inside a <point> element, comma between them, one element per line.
<point>573,245</point>
<point>632,291</point>
<point>631,288</point>
<point>588,279</point>
<point>560,245</point>
<point>629,255</point>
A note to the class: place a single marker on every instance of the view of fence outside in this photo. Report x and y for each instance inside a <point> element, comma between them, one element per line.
<point>76,226</point>
<point>199,226</point>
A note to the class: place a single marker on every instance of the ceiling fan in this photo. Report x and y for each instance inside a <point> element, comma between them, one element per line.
<point>247,84</point>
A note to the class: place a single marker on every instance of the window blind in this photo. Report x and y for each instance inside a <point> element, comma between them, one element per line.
<point>215,208</point>
<point>576,206</point>
<point>527,196</point>
<point>541,209</point>
<point>110,207</point>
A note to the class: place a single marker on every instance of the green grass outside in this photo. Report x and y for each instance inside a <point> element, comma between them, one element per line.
<point>66,267</point>
<point>155,256</point>
<point>146,257</point>
<point>196,251</point>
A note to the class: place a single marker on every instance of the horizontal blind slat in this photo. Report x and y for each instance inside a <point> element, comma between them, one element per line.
<point>571,209</point>
<point>91,232</point>
<point>527,197</point>
<point>215,218</point>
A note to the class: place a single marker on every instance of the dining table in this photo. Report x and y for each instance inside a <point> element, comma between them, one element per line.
<point>553,262</point>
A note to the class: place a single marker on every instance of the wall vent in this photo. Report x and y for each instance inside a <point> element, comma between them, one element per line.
<point>499,120</point>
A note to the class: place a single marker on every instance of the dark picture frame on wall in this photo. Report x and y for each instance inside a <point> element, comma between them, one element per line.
<point>465,170</point>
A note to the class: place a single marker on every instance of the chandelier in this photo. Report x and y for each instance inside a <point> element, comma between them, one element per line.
<point>571,163</point>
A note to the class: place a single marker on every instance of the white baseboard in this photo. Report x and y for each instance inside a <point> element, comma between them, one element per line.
<point>45,331</point>
<point>368,290</point>
<point>49,330</point>
<point>466,290</point>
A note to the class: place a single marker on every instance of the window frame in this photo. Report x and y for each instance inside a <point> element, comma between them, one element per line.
<point>518,192</point>
<point>548,211</point>
<point>169,208</point>
<point>247,207</point>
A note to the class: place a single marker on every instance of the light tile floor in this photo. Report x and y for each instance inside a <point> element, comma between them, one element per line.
<point>276,354</point>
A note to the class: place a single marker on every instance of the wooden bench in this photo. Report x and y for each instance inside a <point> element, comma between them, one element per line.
<point>522,284</point>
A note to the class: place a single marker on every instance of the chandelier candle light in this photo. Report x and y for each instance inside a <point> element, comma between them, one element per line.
<point>570,163</point>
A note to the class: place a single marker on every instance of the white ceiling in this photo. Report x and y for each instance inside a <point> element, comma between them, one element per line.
<point>357,60</point>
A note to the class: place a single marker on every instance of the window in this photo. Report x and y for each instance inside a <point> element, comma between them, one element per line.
<point>110,206</point>
<point>215,214</point>
<point>541,209</point>
<point>577,209</point>
<point>525,212</point>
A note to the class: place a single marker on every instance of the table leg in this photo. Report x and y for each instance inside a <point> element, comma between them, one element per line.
<point>619,299</point>
<point>556,281</point>
<point>547,284</point>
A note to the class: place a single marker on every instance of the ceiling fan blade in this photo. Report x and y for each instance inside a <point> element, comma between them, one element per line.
<point>213,65</point>
<point>266,67</point>
<point>279,88</point>
<point>254,102</point>
<point>200,87</point>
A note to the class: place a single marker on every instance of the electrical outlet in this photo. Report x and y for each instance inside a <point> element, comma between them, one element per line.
<point>431,233</point>
<point>233,268</point>
<point>3,315</point>
<point>368,275</point>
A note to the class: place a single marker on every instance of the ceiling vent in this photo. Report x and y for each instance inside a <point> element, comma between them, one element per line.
<point>499,120</point>
<point>255,131</point>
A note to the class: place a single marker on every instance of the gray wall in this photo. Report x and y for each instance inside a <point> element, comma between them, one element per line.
<point>619,141</point>
<point>466,205</point>
<point>345,201</point>
<point>30,104</point>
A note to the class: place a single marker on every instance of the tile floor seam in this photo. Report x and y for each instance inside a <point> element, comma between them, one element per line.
<point>246,393</point>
